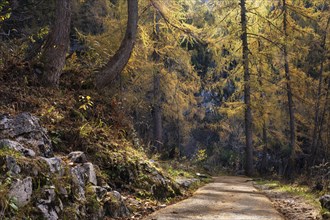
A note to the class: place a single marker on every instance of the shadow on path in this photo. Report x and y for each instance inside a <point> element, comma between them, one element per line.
<point>227,198</point>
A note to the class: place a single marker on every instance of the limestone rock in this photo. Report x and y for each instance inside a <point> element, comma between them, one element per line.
<point>49,214</point>
<point>55,164</point>
<point>325,201</point>
<point>21,191</point>
<point>14,145</point>
<point>186,182</point>
<point>25,129</point>
<point>83,174</point>
<point>48,206</point>
<point>100,192</point>
<point>77,173</point>
<point>161,189</point>
<point>90,173</point>
<point>12,165</point>
<point>114,205</point>
<point>77,157</point>
<point>201,175</point>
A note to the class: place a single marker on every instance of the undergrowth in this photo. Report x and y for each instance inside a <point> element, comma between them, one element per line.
<point>302,191</point>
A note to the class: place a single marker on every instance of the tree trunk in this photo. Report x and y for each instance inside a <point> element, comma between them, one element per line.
<point>178,127</point>
<point>158,123</point>
<point>318,98</point>
<point>118,62</point>
<point>249,170</point>
<point>264,168</point>
<point>320,126</point>
<point>57,43</point>
<point>290,168</point>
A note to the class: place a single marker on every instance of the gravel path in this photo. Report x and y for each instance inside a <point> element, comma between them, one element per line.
<point>227,198</point>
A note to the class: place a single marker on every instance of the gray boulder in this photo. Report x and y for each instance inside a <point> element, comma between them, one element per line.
<point>12,165</point>
<point>77,157</point>
<point>25,129</point>
<point>325,201</point>
<point>99,191</point>
<point>48,206</point>
<point>14,145</point>
<point>186,182</point>
<point>47,212</point>
<point>114,205</point>
<point>81,175</point>
<point>55,164</point>
<point>90,173</point>
<point>21,191</point>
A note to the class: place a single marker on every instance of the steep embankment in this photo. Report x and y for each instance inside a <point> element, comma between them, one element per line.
<point>72,153</point>
<point>36,182</point>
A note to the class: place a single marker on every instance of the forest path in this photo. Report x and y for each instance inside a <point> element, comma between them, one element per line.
<point>226,198</point>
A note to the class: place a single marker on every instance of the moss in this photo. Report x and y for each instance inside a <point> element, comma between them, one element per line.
<point>69,213</point>
<point>293,189</point>
<point>5,151</point>
<point>143,194</point>
<point>92,203</point>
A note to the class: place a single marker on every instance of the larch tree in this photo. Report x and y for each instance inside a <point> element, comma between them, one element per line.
<point>57,43</point>
<point>157,93</point>
<point>117,63</point>
<point>318,117</point>
<point>292,143</point>
<point>249,170</point>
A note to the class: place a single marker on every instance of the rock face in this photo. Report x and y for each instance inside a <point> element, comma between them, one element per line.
<point>21,191</point>
<point>77,157</point>
<point>13,145</point>
<point>60,187</point>
<point>81,176</point>
<point>114,205</point>
<point>186,182</point>
<point>55,164</point>
<point>55,187</point>
<point>49,205</point>
<point>25,129</point>
<point>325,201</point>
<point>157,184</point>
<point>12,165</point>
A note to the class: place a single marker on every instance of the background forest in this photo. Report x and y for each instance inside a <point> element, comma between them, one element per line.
<point>237,86</point>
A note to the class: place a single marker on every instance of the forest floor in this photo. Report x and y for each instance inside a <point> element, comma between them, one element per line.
<point>226,198</point>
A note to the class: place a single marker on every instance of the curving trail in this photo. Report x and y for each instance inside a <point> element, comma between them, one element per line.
<point>227,198</point>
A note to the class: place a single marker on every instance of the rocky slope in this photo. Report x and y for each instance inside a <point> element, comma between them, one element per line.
<point>37,183</point>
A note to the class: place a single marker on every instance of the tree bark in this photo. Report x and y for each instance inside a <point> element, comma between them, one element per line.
<point>318,98</point>
<point>263,168</point>
<point>320,126</point>
<point>158,123</point>
<point>290,168</point>
<point>249,170</point>
<point>57,43</point>
<point>118,62</point>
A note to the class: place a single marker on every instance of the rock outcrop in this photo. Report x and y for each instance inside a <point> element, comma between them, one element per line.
<point>50,185</point>
<point>38,184</point>
<point>325,202</point>
<point>26,130</point>
<point>21,191</point>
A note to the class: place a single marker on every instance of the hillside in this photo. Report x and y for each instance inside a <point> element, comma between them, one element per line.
<point>91,164</point>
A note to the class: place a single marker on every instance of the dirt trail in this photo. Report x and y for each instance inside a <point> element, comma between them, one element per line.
<point>227,198</point>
